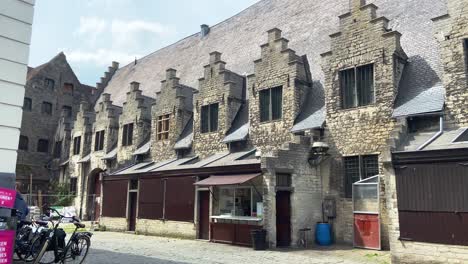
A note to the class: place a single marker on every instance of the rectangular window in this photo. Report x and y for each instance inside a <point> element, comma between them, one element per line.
<point>357,86</point>
<point>209,118</point>
<point>239,201</point>
<point>99,141</point>
<point>358,168</point>
<point>43,145</point>
<point>67,110</point>
<point>68,88</point>
<point>76,145</point>
<point>163,127</point>
<point>57,149</point>
<point>27,104</point>
<point>283,180</point>
<point>271,104</point>
<point>23,143</point>
<point>127,135</point>
<point>49,84</point>
<point>47,108</point>
<point>73,182</point>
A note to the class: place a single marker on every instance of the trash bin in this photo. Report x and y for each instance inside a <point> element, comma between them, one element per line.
<point>258,239</point>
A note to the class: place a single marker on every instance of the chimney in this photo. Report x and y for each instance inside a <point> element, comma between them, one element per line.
<point>134,86</point>
<point>205,29</point>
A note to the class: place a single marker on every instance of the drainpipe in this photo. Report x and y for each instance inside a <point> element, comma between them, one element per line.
<point>437,135</point>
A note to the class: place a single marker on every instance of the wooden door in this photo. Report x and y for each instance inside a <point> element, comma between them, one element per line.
<point>132,201</point>
<point>204,214</point>
<point>283,219</point>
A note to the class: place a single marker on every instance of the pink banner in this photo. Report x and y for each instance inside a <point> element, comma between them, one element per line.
<point>6,246</point>
<point>7,198</point>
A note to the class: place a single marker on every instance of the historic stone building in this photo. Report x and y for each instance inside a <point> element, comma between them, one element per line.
<point>51,101</point>
<point>276,135</point>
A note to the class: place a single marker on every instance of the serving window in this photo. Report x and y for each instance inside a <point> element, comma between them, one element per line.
<point>242,201</point>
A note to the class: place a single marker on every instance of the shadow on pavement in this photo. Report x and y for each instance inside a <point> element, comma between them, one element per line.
<point>98,256</point>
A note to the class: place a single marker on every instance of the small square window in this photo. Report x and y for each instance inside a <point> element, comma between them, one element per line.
<point>47,108</point>
<point>99,141</point>
<point>357,86</point>
<point>43,145</point>
<point>127,135</point>
<point>27,104</point>
<point>23,143</point>
<point>283,180</point>
<point>49,84</point>
<point>271,104</point>
<point>209,118</point>
<point>163,127</point>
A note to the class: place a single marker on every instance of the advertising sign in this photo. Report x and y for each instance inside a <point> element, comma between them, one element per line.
<point>7,197</point>
<point>6,246</point>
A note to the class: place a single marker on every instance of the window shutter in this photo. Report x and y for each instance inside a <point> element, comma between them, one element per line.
<point>264,105</point>
<point>276,103</point>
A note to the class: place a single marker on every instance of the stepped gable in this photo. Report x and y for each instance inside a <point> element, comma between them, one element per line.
<point>307,24</point>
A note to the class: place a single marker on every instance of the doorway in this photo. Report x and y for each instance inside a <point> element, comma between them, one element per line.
<point>94,196</point>
<point>132,210</point>
<point>204,215</point>
<point>283,218</point>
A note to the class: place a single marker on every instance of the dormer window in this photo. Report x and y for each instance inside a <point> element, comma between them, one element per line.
<point>163,127</point>
<point>127,135</point>
<point>209,118</point>
<point>357,86</point>
<point>99,141</point>
<point>271,104</point>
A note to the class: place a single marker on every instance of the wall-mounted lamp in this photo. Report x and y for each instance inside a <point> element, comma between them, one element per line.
<point>318,153</point>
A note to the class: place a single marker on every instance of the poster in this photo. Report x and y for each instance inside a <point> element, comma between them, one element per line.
<point>6,246</point>
<point>7,198</point>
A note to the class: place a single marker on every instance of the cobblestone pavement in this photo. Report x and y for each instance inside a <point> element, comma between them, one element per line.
<point>109,247</point>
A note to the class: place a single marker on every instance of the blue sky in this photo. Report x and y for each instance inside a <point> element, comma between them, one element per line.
<point>92,33</point>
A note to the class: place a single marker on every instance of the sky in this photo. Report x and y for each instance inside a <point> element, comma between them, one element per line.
<point>93,33</point>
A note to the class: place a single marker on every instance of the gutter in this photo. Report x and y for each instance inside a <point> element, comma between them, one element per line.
<point>437,135</point>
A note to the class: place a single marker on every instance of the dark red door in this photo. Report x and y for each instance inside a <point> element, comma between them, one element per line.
<point>283,219</point>
<point>132,201</point>
<point>204,214</point>
<point>367,231</point>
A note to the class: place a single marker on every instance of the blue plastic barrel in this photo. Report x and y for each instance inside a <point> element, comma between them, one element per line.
<point>323,234</point>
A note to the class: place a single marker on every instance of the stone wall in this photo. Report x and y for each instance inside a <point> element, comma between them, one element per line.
<point>114,224</point>
<point>363,39</point>
<point>452,31</point>
<point>278,66</point>
<point>136,110</point>
<point>175,100</point>
<point>166,228</point>
<point>221,86</point>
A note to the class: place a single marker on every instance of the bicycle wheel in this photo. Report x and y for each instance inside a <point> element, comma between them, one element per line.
<point>45,256</point>
<point>78,250</point>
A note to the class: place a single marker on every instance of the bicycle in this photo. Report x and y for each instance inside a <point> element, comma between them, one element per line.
<point>27,242</point>
<point>53,247</point>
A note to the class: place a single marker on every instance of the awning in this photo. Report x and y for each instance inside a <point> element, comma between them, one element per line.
<point>145,149</point>
<point>217,180</point>
<point>85,159</point>
<point>110,155</point>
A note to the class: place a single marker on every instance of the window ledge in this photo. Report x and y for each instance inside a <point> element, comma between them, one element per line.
<point>271,121</point>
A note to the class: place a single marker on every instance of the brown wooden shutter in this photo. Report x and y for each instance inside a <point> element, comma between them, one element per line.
<point>180,199</point>
<point>150,202</point>
<point>114,202</point>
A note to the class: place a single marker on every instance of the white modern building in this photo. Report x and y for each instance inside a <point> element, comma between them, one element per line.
<point>16,18</point>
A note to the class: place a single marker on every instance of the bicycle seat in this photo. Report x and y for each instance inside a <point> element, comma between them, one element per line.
<point>79,225</point>
<point>42,223</point>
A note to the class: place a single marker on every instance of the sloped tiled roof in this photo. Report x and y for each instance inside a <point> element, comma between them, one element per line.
<point>307,24</point>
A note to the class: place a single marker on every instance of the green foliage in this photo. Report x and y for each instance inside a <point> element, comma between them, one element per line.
<point>62,195</point>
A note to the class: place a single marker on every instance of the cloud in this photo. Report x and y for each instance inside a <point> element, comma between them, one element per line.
<point>106,40</point>
<point>100,57</point>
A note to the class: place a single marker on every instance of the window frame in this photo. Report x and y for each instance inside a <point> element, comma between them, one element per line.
<point>362,170</point>
<point>210,112</point>
<point>99,138</point>
<point>40,145</point>
<point>76,151</point>
<point>49,83</point>
<point>23,141</point>
<point>127,134</point>
<point>68,88</point>
<point>29,100</point>
<point>58,149</point>
<point>73,185</point>
<point>272,113</point>
<point>163,127</point>
<point>44,109</point>
<point>68,109</point>
<point>357,89</point>
<point>234,188</point>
